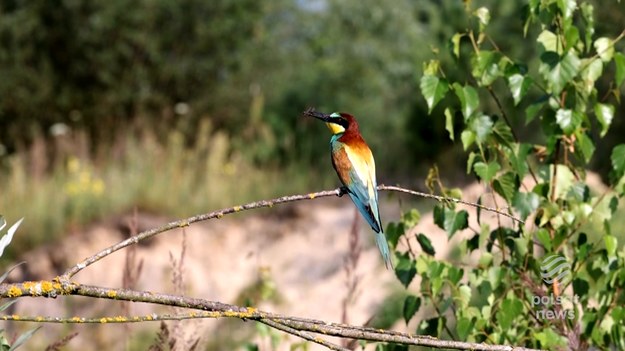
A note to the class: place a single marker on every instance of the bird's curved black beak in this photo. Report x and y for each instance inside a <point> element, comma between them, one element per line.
<point>316,114</point>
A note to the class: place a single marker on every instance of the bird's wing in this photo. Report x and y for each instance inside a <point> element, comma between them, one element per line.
<point>356,169</point>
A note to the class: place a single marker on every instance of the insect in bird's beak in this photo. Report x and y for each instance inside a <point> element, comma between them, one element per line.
<point>312,113</point>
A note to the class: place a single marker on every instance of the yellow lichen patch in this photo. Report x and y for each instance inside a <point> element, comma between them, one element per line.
<point>220,215</point>
<point>237,208</point>
<point>148,318</point>
<point>120,319</point>
<point>311,196</point>
<point>39,319</point>
<point>15,317</point>
<point>103,320</point>
<point>184,224</point>
<point>14,291</point>
<point>76,319</point>
<point>47,286</point>
<point>112,294</point>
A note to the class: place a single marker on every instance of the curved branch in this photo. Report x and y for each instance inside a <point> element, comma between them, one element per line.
<point>297,326</point>
<point>252,205</point>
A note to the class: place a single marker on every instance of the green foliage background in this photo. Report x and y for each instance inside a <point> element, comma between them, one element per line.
<point>247,66</point>
<point>495,287</point>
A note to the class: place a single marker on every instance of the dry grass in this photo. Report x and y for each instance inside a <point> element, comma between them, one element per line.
<point>61,186</point>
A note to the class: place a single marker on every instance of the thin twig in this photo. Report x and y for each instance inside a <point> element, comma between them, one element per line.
<point>304,335</point>
<point>253,205</point>
<point>451,199</point>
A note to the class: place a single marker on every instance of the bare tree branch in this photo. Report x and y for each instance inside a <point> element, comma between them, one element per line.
<point>297,326</point>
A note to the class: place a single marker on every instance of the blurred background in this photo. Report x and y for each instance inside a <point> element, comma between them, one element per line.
<point>181,107</point>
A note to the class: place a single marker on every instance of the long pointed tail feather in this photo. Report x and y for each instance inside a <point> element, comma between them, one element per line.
<point>380,239</point>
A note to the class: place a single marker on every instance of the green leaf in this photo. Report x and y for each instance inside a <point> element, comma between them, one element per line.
<point>601,209</point>
<point>506,186</point>
<point>611,244</point>
<point>464,296</point>
<point>619,61</point>
<point>544,238</point>
<point>431,67</point>
<point>454,274</point>
<point>580,287</point>
<point>433,89</point>
<point>469,100</point>
<point>591,72</point>
<point>393,232</point>
<point>511,308</point>
<point>503,134</point>
<point>486,67</point>
<point>450,220</point>
<point>426,244</point>
<point>549,339</point>
<point>449,123</point>
<point>455,44</point>
<point>470,161</point>
<point>464,326</point>
<point>519,85</point>
<point>468,138</point>
<point>584,145</point>
<point>486,172</point>
<point>485,260</point>
<point>605,48</point>
<point>406,269</point>
<point>605,114</point>
<point>525,203</point>
<point>567,7</point>
<point>558,72</point>
<point>563,181</point>
<point>411,306</point>
<point>482,126</point>
<point>549,41</point>
<point>518,159</point>
<point>411,218</point>
<point>568,120</point>
<point>532,110</point>
<point>618,159</point>
<point>589,18</point>
<point>571,37</point>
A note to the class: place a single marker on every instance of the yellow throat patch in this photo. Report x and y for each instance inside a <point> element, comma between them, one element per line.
<point>335,128</point>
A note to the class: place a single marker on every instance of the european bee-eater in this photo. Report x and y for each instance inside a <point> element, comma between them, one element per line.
<point>353,162</point>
